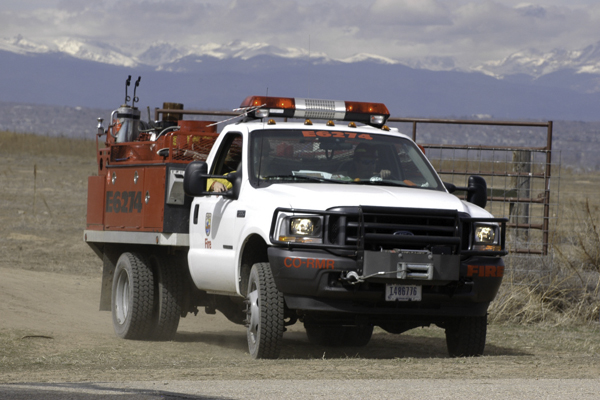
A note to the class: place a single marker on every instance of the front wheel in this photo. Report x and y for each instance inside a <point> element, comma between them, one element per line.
<point>264,315</point>
<point>465,336</point>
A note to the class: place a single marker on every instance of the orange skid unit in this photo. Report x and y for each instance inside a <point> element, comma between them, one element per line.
<point>139,186</point>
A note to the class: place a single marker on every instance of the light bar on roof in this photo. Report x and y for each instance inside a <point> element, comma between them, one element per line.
<point>368,113</point>
<point>320,109</point>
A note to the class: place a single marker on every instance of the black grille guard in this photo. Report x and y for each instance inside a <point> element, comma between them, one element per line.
<point>395,227</point>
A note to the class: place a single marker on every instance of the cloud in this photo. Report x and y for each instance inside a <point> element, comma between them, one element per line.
<point>409,12</point>
<point>529,10</point>
<point>472,32</point>
<point>459,32</point>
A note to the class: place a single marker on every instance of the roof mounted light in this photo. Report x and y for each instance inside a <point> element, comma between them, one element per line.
<point>378,120</point>
<point>262,113</point>
<point>285,107</point>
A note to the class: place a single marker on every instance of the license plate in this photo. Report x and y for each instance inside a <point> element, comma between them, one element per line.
<point>395,292</point>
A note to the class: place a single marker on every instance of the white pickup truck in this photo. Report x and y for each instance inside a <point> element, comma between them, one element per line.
<point>342,225</point>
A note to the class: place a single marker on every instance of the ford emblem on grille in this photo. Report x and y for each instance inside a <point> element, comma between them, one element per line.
<point>404,233</point>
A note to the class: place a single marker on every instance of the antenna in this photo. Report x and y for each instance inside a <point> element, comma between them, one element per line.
<point>135,98</point>
<point>308,69</point>
<point>263,122</point>
<point>127,83</point>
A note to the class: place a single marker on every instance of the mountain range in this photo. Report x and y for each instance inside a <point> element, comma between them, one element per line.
<point>528,85</point>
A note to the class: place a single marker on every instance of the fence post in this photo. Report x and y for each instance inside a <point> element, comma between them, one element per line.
<point>521,184</point>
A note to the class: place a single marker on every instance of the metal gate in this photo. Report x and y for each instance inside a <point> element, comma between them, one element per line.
<point>518,176</point>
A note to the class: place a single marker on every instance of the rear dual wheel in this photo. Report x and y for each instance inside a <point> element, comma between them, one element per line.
<point>338,335</point>
<point>146,297</point>
<point>168,293</point>
<point>132,297</point>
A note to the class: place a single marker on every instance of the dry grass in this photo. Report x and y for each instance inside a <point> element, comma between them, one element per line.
<point>29,144</point>
<point>563,288</point>
<point>43,203</point>
<point>558,299</point>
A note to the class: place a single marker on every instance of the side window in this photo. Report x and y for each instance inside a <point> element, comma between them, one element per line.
<point>229,157</point>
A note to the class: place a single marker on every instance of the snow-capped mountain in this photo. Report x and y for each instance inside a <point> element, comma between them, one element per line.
<point>21,45</point>
<point>158,55</point>
<point>165,56</point>
<point>536,63</point>
<point>97,52</point>
<point>528,85</point>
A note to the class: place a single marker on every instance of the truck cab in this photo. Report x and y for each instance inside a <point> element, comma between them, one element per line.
<point>350,223</point>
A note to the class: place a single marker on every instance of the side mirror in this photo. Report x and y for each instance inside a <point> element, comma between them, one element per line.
<point>196,176</point>
<point>477,191</point>
<point>236,180</point>
<point>194,180</point>
<point>450,187</point>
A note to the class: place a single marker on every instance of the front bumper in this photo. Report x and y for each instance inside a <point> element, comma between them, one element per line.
<point>316,280</point>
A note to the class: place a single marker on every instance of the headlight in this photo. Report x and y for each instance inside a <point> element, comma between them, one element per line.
<point>486,237</point>
<point>304,226</point>
<point>306,229</point>
<point>485,234</point>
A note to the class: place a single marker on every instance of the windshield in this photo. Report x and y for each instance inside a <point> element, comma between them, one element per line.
<point>284,156</point>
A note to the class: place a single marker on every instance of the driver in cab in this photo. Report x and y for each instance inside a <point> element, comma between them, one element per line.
<point>364,165</point>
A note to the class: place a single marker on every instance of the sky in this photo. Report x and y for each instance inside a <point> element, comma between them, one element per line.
<point>459,33</point>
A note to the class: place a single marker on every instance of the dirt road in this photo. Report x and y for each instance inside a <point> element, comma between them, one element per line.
<point>338,389</point>
<point>51,329</point>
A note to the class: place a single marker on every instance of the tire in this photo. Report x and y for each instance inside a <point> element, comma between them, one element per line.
<point>358,336</point>
<point>320,335</point>
<point>337,335</point>
<point>168,298</point>
<point>264,314</point>
<point>465,336</point>
<point>133,297</point>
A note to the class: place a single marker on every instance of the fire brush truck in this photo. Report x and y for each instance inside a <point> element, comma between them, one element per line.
<point>342,226</point>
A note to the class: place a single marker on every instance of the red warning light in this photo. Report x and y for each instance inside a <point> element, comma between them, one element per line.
<point>369,113</point>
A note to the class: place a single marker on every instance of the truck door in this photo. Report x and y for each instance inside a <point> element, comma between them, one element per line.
<point>213,240</point>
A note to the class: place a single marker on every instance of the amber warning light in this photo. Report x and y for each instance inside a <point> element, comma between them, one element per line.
<point>368,113</point>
